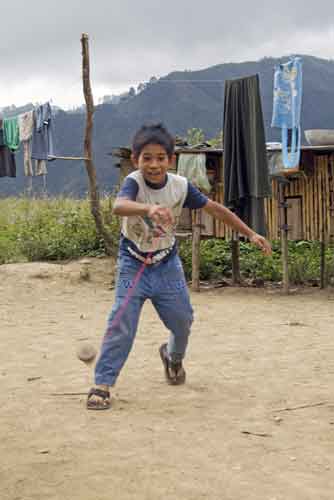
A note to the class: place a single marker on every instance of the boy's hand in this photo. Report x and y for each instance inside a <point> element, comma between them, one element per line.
<point>262,243</point>
<point>161,215</point>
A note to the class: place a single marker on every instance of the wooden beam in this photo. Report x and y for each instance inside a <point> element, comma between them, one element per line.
<point>75,158</point>
<point>323,235</point>
<point>284,238</point>
<point>235,247</point>
<point>88,150</point>
<point>196,231</point>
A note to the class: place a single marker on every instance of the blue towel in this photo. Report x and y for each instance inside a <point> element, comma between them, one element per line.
<point>287,108</point>
<point>43,133</point>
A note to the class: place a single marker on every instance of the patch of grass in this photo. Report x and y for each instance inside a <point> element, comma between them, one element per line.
<point>216,262</point>
<point>63,228</point>
<point>51,229</point>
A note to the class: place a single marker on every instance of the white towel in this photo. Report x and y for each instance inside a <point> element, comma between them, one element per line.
<point>26,123</point>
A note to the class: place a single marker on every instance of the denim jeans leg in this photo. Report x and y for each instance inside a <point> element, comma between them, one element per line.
<point>121,333</point>
<point>172,302</point>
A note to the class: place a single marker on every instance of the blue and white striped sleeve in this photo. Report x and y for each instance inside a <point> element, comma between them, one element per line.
<point>194,199</point>
<point>129,189</point>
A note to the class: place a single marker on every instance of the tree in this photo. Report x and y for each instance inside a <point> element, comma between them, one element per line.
<point>195,136</point>
<point>217,142</point>
<point>153,80</point>
<point>132,92</point>
<point>141,87</point>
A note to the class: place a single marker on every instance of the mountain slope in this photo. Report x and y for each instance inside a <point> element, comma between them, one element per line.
<point>182,100</point>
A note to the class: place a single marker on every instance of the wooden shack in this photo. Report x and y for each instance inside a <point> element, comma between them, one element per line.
<point>308,193</point>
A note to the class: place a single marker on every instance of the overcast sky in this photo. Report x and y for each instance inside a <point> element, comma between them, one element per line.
<point>130,41</point>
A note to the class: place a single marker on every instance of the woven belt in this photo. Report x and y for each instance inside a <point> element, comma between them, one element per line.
<point>150,260</point>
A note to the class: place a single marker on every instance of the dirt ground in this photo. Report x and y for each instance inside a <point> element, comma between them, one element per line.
<point>255,420</point>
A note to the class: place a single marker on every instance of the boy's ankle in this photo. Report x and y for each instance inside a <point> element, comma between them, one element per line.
<point>103,387</point>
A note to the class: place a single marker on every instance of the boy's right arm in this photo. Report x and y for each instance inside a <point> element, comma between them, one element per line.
<point>126,204</point>
<point>126,207</point>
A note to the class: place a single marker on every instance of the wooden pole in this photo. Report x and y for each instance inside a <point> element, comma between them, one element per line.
<point>235,244</point>
<point>196,229</point>
<point>331,200</point>
<point>72,158</point>
<point>284,237</point>
<point>322,264</point>
<point>88,152</point>
<point>323,280</point>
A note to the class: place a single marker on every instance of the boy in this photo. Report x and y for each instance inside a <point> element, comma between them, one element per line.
<point>150,202</point>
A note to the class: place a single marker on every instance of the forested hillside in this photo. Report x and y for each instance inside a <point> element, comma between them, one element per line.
<point>182,100</point>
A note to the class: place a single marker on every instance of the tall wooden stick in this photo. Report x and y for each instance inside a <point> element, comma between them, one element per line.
<point>235,246</point>
<point>196,228</point>
<point>323,277</point>
<point>284,237</point>
<point>88,151</point>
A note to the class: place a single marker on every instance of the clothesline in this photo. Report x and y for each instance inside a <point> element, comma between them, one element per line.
<point>33,131</point>
<point>74,158</point>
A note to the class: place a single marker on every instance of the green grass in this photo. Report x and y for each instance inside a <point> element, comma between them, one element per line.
<point>216,262</point>
<point>63,228</point>
<point>51,229</point>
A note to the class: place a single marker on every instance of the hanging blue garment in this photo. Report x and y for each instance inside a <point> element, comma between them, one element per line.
<point>43,133</point>
<point>287,108</point>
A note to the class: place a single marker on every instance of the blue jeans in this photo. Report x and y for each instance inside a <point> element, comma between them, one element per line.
<point>164,284</point>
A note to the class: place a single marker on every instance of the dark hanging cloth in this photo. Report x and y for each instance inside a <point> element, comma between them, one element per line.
<point>7,158</point>
<point>43,133</point>
<point>246,179</point>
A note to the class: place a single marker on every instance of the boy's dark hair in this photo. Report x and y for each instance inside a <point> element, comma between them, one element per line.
<point>153,134</point>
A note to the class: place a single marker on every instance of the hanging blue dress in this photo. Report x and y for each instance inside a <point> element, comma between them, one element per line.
<point>287,108</point>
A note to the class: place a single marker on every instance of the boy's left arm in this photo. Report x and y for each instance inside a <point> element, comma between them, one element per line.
<point>222,213</point>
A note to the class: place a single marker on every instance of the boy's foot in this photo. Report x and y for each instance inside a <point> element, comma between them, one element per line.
<point>174,372</point>
<point>98,399</point>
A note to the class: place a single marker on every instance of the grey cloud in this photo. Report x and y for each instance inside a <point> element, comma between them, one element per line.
<point>131,41</point>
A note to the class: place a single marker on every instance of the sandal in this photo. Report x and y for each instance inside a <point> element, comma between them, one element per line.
<point>104,404</point>
<point>174,372</point>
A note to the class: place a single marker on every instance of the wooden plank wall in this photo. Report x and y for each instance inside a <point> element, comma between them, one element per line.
<point>316,193</point>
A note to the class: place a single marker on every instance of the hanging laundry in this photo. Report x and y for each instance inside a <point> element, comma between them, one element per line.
<point>275,163</point>
<point>287,108</point>
<point>11,133</point>
<point>26,124</point>
<point>27,162</point>
<point>43,133</point>
<point>246,179</point>
<point>193,167</point>
<point>40,167</point>
<point>7,157</point>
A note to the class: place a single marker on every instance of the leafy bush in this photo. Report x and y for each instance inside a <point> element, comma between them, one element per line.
<point>215,261</point>
<point>52,229</point>
<point>63,228</point>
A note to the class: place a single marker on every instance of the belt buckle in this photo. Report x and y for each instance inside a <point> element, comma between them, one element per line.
<point>150,260</point>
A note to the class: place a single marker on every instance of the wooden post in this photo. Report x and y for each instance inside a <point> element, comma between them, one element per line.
<point>331,201</point>
<point>284,236</point>
<point>88,153</point>
<point>323,277</point>
<point>196,230</point>
<point>235,247</point>
<point>322,264</point>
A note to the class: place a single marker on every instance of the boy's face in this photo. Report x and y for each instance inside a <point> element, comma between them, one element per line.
<point>153,162</point>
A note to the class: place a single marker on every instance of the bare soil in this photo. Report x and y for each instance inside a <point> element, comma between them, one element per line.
<point>255,420</point>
